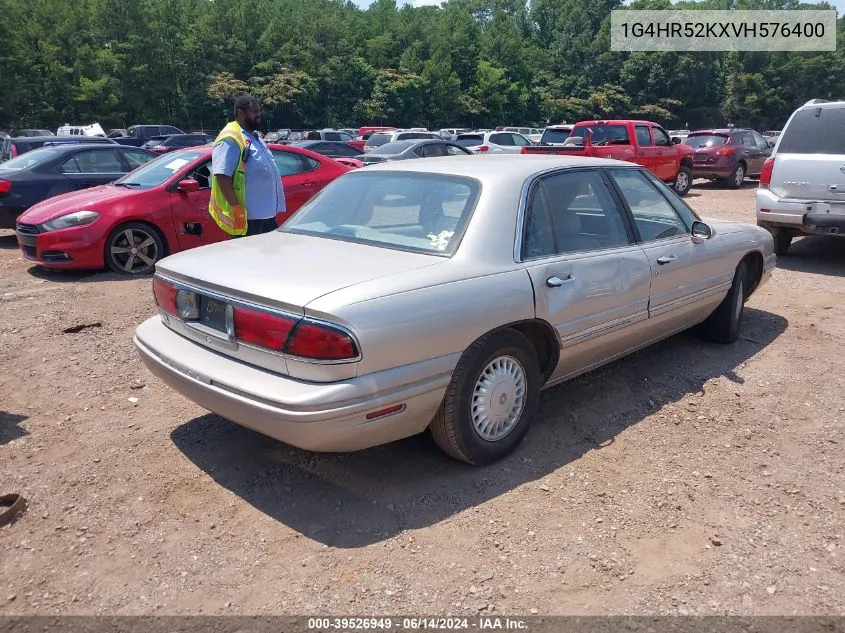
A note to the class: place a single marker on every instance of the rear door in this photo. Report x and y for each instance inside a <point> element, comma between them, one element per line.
<point>686,277</point>
<point>591,280</point>
<point>810,159</point>
<point>764,150</point>
<point>503,142</point>
<point>93,167</point>
<point>647,154</point>
<point>667,162</point>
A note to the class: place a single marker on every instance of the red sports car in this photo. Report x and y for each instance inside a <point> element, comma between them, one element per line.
<point>158,209</point>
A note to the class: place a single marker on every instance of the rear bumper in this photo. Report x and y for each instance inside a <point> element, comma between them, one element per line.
<point>809,217</point>
<point>327,417</point>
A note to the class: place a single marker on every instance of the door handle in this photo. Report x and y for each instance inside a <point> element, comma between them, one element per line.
<point>555,282</point>
<point>308,183</point>
<point>665,259</point>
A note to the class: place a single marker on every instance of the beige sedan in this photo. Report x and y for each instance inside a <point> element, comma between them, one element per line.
<point>443,294</point>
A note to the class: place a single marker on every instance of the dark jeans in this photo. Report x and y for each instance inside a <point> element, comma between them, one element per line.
<point>256,227</point>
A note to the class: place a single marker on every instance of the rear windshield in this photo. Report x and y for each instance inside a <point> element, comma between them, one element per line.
<point>378,139</point>
<point>811,134</point>
<point>706,140</point>
<point>554,136</point>
<point>29,159</point>
<point>412,135</point>
<point>470,140</point>
<point>394,148</point>
<point>604,134</point>
<point>158,170</point>
<point>426,213</point>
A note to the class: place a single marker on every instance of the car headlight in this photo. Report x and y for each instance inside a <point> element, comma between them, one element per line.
<point>77,218</point>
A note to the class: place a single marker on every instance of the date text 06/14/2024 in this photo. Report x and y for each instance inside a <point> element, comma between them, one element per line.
<point>486,623</point>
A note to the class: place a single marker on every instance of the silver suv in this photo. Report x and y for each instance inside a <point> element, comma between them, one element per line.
<point>802,184</point>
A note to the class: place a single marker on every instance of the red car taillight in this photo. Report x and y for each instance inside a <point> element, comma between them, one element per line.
<point>522,151</point>
<point>766,173</point>
<point>262,328</point>
<point>290,335</point>
<point>726,151</point>
<point>483,148</point>
<point>165,296</point>
<point>5,186</point>
<point>321,342</point>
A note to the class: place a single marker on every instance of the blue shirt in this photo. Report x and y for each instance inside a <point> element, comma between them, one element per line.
<point>264,194</point>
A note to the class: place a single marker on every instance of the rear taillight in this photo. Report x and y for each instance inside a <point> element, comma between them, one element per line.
<point>766,173</point>
<point>13,150</point>
<point>287,334</point>
<point>483,148</point>
<point>165,296</point>
<point>5,186</point>
<point>727,151</point>
<point>522,151</point>
<point>262,328</point>
<point>321,342</point>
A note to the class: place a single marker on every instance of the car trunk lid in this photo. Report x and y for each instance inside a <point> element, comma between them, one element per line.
<point>809,177</point>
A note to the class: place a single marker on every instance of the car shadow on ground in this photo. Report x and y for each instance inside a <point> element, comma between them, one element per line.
<point>82,276</point>
<point>357,499</point>
<point>9,429</point>
<point>817,254</point>
<point>718,185</point>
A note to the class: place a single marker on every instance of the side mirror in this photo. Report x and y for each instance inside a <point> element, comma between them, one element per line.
<point>701,231</point>
<point>771,143</point>
<point>188,185</point>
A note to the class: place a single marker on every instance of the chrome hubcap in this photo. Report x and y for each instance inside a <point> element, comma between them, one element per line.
<point>681,181</point>
<point>498,398</point>
<point>134,250</point>
<point>740,175</point>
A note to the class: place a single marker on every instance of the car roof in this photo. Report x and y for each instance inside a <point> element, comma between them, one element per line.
<point>65,138</point>
<point>498,167</point>
<point>64,148</point>
<point>725,131</point>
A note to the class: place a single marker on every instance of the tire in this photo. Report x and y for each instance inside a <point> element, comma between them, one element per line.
<point>783,239</point>
<point>119,257</point>
<point>459,424</point>
<point>737,176</point>
<point>723,325</point>
<point>683,181</point>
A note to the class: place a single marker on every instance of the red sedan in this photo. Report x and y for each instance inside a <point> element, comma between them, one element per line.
<point>158,209</point>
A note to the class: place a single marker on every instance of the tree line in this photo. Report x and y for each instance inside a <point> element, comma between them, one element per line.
<point>328,63</point>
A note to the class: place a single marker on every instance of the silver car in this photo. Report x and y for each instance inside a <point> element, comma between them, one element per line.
<point>443,294</point>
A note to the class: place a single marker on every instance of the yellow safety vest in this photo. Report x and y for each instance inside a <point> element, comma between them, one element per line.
<point>219,208</point>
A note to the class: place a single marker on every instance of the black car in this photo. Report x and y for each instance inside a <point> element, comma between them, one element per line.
<point>414,148</point>
<point>332,149</point>
<point>51,171</point>
<point>17,145</point>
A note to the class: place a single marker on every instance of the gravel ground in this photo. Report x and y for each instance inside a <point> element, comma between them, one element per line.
<point>689,478</point>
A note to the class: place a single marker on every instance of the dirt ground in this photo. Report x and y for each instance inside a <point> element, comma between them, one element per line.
<point>690,478</point>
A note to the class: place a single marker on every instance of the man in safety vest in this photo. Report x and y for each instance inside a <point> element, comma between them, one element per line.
<point>246,186</point>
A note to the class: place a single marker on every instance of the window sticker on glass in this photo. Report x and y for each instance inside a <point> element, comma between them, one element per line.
<point>176,164</point>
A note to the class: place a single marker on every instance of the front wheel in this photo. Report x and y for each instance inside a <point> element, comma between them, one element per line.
<point>783,239</point>
<point>490,402</point>
<point>683,181</point>
<point>133,249</point>
<point>723,325</point>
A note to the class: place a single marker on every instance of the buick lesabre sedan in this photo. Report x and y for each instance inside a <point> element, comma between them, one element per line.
<point>443,294</point>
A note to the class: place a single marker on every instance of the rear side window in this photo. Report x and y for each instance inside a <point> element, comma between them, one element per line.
<point>378,139</point>
<point>470,140</point>
<point>808,133</point>
<point>557,136</point>
<point>502,139</point>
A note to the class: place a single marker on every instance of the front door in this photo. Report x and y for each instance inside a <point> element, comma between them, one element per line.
<point>667,156</point>
<point>591,281</point>
<point>192,222</point>
<point>647,154</point>
<point>688,277</point>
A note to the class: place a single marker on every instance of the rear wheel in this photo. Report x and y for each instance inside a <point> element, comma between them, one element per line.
<point>737,177</point>
<point>783,239</point>
<point>133,249</point>
<point>683,181</point>
<point>490,402</point>
<point>723,325</point>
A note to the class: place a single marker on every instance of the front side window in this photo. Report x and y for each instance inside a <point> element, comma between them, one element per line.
<point>643,136</point>
<point>661,139</point>
<point>654,216</point>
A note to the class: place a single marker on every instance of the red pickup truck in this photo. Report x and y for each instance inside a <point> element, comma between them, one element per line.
<point>641,142</point>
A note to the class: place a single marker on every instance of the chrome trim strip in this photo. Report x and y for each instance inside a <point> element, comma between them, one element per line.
<point>604,328</point>
<point>262,308</point>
